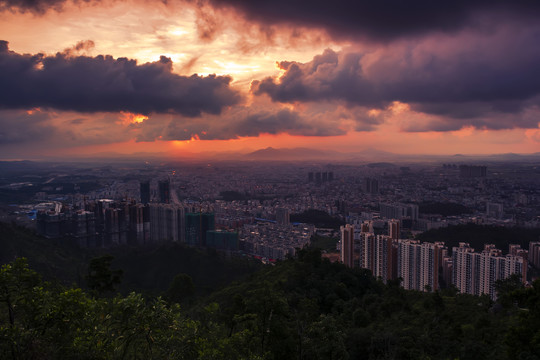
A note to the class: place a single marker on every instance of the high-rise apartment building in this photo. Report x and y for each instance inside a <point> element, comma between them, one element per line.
<point>347,245</point>
<point>196,226</point>
<point>464,268</point>
<point>430,265</point>
<point>393,229</point>
<point>476,273</point>
<point>139,224</point>
<point>371,186</point>
<point>470,171</point>
<point>534,253</point>
<point>399,211</point>
<point>115,229</point>
<point>418,264</point>
<point>166,223</point>
<point>372,252</point>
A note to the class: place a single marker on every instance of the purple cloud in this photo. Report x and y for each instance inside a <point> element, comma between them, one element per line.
<point>381,20</point>
<point>105,84</point>
<point>461,77</point>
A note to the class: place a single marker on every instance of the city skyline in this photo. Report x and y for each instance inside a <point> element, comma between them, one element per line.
<point>188,77</point>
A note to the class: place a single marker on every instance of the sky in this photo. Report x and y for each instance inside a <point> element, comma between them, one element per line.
<point>185,77</point>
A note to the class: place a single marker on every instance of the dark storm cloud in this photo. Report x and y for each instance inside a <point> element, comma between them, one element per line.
<point>462,77</point>
<point>105,84</point>
<point>23,127</point>
<point>380,20</point>
<point>284,121</point>
<point>239,123</point>
<point>36,6</point>
<point>386,19</point>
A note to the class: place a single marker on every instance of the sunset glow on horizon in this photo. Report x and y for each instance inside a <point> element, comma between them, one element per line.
<point>182,78</point>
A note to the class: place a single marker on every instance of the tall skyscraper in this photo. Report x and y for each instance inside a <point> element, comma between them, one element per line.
<point>164,187</point>
<point>145,192</point>
<point>347,245</point>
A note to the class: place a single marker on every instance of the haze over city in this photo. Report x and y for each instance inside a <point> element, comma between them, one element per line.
<point>189,78</point>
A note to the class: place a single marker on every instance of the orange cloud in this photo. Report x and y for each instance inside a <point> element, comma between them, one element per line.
<point>130,118</point>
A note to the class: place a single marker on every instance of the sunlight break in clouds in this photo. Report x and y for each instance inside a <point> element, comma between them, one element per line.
<point>413,77</point>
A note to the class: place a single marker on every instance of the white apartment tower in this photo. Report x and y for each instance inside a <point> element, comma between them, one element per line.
<point>418,264</point>
<point>476,273</point>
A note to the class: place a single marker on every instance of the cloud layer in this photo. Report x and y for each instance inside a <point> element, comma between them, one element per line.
<point>381,20</point>
<point>105,84</point>
<point>463,77</point>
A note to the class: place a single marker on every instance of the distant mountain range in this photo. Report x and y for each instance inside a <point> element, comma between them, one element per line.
<point>290,154</point>
<point>294,154</point>
<point>369,155</point>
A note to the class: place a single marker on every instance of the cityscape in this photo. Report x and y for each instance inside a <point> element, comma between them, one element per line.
<point>378,211</point>
<point>269,180</point>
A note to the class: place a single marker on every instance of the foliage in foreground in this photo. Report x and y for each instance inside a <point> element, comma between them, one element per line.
<point>145,269</point>
<point>41,321</point>
<point>299,309</point>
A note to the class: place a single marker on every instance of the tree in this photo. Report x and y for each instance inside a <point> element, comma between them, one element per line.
<point>180,289</point>
<point>18,288</point>
<point>506,289</point>
<point>101,279</point>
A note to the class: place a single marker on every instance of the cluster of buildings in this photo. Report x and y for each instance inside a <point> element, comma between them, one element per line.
<point>475,273</point>
<point>184,203</point>
<point>429,266</point>
<point>275,241</point>
<point>106,223</point>
<point>320,176</point>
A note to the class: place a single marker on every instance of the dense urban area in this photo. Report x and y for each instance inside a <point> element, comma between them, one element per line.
<point>450,228</point>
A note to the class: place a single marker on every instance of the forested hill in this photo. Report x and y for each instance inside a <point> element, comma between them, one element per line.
<point>307,308</point>
<point>313,309</point>
<point>146,269</point>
